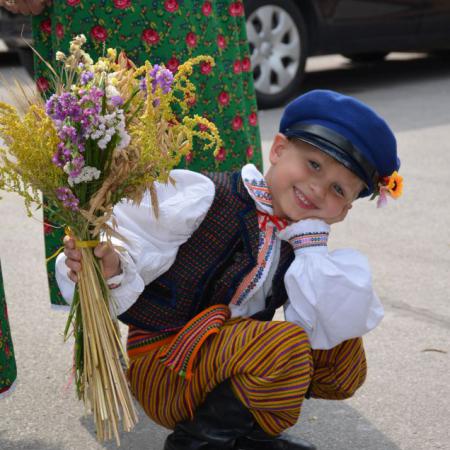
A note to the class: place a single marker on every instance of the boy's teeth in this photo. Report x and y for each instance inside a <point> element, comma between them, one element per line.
<point>302,197</point>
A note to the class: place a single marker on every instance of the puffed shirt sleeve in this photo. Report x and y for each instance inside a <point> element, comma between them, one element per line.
<point>150,244</point>
<point>330,294</point>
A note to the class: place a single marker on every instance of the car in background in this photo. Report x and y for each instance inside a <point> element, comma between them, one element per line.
<point>15,32</point>
<point>283,33</point>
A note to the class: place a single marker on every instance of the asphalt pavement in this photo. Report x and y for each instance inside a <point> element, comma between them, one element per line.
<point>405,402</point>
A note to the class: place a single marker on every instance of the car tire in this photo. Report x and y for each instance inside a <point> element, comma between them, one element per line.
<point>278,63</point>
<point>364,58</point>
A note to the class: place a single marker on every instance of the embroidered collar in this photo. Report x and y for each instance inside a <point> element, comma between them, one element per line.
<point>257,188</point>
<point>259,191</point>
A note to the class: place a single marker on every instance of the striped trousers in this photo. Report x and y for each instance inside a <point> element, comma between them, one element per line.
<point>270,365</point>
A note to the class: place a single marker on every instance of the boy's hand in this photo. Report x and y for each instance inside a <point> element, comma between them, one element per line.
<point>104,251</point>
<point>340,217</point>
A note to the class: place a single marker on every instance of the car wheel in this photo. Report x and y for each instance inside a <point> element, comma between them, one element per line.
<point>367,57</point>
<point>277,36</point>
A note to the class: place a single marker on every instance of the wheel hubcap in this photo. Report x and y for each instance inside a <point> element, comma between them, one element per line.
<point>275,48</point>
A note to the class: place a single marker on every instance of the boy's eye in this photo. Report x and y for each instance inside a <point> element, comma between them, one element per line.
<point>338,190</point>
<point>314,165</point>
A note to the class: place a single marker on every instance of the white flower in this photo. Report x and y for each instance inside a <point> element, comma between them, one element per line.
<point>60,56</point>
<point>109,126</point>
<point>112,78</point>
<point>125,140</point>
<point>79,39</point>
<point>86,59</point>
<point>101,66</point>
<point>111,91</point>
<point>74,47</point>
<point>88,173</point>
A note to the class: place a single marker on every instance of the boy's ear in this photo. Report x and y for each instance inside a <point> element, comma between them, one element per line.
<point>279,144</point>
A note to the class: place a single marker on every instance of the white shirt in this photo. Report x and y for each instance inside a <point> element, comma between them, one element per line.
<point>330,294</point>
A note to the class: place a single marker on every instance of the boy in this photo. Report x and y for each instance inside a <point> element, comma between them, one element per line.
<point>199,285</point>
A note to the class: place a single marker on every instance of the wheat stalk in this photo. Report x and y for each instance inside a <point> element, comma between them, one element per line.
<point>105,387</point>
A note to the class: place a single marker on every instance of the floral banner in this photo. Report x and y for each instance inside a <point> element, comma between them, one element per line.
<point>8,370</point>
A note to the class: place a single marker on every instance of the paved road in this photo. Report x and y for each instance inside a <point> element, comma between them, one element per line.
<point>405,403</point>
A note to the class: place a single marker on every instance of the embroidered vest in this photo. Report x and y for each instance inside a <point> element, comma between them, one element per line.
<point>210,265</point>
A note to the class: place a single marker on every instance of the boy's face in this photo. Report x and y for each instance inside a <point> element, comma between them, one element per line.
<point>307,183</point>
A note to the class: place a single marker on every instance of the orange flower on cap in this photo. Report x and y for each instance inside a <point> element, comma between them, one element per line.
<point>391,185</point>
<point>395,185</point>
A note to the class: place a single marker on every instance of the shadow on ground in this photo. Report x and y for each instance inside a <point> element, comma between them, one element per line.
<point>28,444</point>
<point>329,425</point>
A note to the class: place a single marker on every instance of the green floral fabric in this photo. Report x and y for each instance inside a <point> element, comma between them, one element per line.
<point>8,370</point>
<point>166,32</point>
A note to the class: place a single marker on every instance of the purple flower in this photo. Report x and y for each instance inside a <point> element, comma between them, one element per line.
<point>61,156</point>
<point>64,106</point>
<point>161,77</point>
<point>86,77</point>
<point>116,100</point>
<point>68,132</point>
<point>69,200</point>
<point>143,84</point>
<point>75,166</point>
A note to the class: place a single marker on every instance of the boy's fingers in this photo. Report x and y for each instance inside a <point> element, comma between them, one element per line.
<point>73,265</point>
<point>102,249</point>
<point>69,242</point>
<point>74,254</point>
<point>70,250</point>
<point>72,276</point>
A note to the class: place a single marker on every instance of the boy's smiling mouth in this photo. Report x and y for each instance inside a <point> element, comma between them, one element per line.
<point>302,200</point>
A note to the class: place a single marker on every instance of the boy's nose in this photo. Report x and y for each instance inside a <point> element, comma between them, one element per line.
<point>318,189</point>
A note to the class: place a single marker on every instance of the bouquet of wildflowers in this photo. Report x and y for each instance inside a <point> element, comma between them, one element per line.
<point>109,131</point>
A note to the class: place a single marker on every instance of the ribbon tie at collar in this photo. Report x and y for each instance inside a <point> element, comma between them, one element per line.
<point>265,218</point>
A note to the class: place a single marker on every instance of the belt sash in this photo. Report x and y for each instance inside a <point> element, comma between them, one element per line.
<point>178,351</point>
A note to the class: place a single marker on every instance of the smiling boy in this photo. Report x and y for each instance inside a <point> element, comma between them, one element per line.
<point>307,183</point>
<point>199,286</point>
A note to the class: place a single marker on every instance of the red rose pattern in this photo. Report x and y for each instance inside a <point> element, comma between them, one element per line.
<point>46,26</point>
<point>173,64</point>
<point>73,2</point>
<point>205,68</point>
<point>206,9</point>
<point>237,67</point>
<point>99,33</point>
<point>59,31</point>
<point>189,157</point>
<point>237,123</point>
<point>42,84</point>
<point>150,36</point>
<point>122,4</point>
<point>47,228</point>
<point>191,100</point>
<point>249,152</point>
<point>246,65</point>
<point>236,9</point>
<point>191,39</point>
<point>221,154</point>
<point>253,119</point>
<point>221,42</point>
<point>171,5</point>
<point>224,98</point>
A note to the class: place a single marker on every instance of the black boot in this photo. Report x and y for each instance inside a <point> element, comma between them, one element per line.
<point>258,439</point>
<point>216,425</point>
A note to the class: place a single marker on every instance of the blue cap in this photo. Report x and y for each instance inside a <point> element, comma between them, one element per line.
<point>347,130</point>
